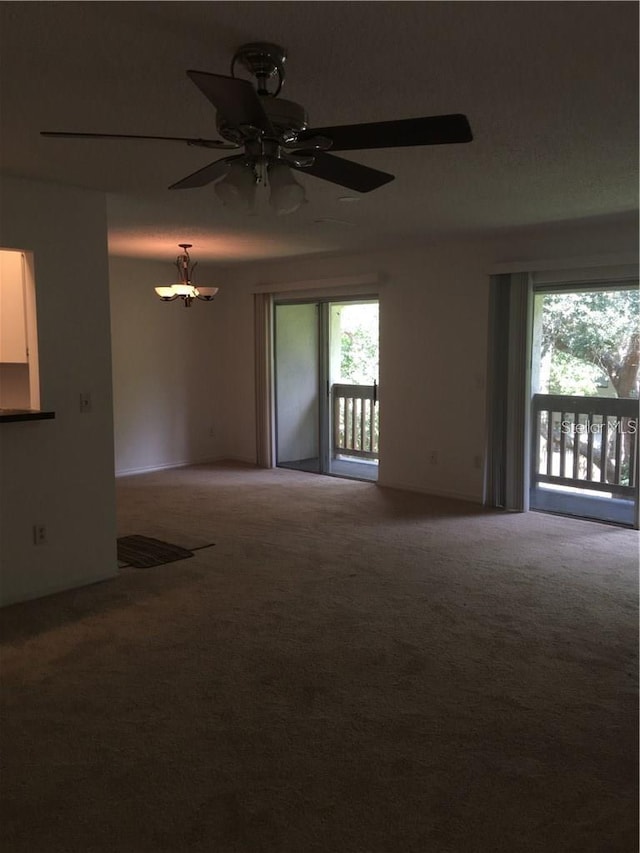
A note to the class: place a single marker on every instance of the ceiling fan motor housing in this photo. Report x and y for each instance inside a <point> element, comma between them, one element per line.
<point>287,119</point>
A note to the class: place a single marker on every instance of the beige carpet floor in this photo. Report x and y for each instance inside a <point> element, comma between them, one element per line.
<point>349,670</point>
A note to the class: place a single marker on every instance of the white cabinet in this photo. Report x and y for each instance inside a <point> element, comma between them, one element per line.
<point>13,321</point>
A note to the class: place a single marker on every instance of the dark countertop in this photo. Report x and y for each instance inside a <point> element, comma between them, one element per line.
<point>9,415</point>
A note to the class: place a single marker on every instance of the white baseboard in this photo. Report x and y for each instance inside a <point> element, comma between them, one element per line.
<point>55,588</point>
<point>146,469</point>
<point>437,493</point>
<point>244,460</point>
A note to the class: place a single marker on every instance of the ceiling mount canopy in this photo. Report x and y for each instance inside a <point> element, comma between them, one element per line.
<point>184,288</point>
<point>276,139</point>
<point>264,61</point>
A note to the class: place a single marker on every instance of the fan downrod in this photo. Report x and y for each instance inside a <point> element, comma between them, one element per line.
<point>265,61</point>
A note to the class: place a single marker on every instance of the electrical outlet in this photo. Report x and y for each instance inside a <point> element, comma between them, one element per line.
<point>39,534</point>
<point>85,403</point>
<point>212,432</point>
<point>477,461</point>
<point>433,457</point>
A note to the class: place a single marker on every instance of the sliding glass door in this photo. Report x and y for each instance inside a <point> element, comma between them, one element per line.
<point>564,380</point>
<point>326,387</point>
<point>584,421</point>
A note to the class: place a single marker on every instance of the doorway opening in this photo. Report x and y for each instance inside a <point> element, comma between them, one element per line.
<point>326,386</point>
<point>19,365</point>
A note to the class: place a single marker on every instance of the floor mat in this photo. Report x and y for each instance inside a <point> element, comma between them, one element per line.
<point>142,552</point>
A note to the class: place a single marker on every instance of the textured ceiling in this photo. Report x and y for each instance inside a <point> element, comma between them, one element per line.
<point>550,90</point>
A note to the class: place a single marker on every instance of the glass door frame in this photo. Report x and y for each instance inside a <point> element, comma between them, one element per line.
<point>556,287</point>
<point>325,415</point>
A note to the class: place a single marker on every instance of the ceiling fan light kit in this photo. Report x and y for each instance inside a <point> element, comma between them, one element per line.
<point>286,193</point>
<point>185,289</point>
<point>237,189</point>
<point>276,138</point>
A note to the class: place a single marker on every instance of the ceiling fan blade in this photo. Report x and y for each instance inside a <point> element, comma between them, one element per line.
<point>200,143</point>
<point>430,130</point>
<point>236,100</point>
<point>205,175</point>
<point>346,173</point>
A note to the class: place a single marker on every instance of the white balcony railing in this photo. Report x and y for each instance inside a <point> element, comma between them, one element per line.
<point>355,420</point>
<point>586,442</point>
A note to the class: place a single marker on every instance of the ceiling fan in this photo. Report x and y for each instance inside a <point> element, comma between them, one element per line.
<point>275,136</point>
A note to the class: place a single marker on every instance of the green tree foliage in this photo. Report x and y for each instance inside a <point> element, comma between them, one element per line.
<point>571,375</point>
<point>359,356</point>
<point>598,329</point>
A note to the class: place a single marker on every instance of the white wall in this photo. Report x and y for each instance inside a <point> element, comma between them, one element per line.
<point>167,364</point>
<point>433,343</point>
<point>60,472</point>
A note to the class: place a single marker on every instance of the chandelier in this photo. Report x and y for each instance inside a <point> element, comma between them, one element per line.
<point>184,288</point>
